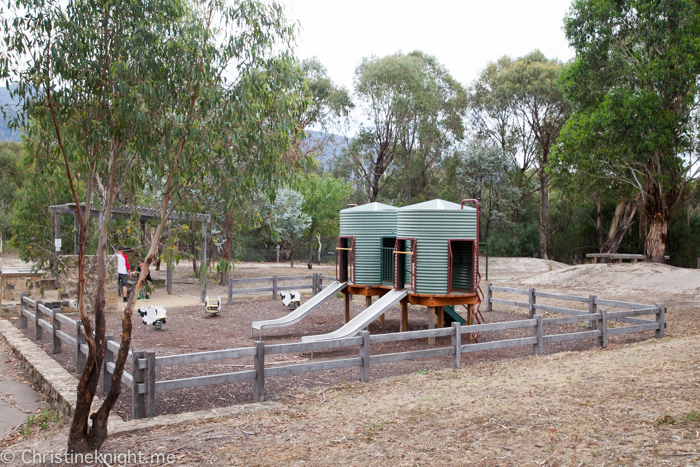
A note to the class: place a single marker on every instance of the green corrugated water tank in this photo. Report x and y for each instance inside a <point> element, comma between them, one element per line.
<point>369,224</point>
<point>433,224</point>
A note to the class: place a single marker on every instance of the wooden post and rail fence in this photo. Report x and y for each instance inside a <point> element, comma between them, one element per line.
<point>316,284</point>
<point>145,363</point>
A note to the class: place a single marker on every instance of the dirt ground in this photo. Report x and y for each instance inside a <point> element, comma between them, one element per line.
<point>634,403</point>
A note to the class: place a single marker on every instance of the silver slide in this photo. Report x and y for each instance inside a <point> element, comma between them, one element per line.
<point>361,321</point>
<point>306,308</point>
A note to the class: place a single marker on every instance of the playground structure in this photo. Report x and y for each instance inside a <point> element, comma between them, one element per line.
<point>378,255</point>
<point>440,273</point>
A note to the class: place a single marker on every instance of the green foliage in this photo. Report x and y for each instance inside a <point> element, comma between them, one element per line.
<point>324,196</point>
<point>633,85</point>
<point>287,219</point>
<point>483,173</point>
<point>12,178</point>
<point>414,110</point>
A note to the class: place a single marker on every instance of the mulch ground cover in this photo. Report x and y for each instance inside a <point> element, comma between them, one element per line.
<point>190,329</point>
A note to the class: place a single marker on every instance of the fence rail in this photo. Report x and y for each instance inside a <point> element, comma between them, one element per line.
<point>145,363</point>
<point>316,284</point>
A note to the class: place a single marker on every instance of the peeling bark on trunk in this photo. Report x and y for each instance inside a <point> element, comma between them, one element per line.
<point>624,214</point>
<point>657,235</point>
<point>599,220</point>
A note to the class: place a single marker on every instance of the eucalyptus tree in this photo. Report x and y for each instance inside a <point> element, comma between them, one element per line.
<point>308,79</point>
<point>519,106</point>
<point>634,87</point>
<point>324,197</point>
<point>129,92</point>
<point>287,219</point>
<point>414,111</point>
<point>483,173</point>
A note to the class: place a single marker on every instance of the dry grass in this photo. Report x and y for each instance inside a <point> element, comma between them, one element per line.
<point>632,405</point>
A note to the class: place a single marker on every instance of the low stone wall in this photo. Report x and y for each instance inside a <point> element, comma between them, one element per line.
<point>13,283</point>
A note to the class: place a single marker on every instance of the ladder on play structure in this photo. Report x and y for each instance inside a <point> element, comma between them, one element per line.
<point>454,316</point>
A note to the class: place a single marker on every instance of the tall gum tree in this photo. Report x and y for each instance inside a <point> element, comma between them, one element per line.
<point>124,92</point>
<point>634,89</point>
<point>414,110</point>
<point>519,106</point>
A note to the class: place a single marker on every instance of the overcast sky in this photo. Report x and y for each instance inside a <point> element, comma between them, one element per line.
<point>464,35</point>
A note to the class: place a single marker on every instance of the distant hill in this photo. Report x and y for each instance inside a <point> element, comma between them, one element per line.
<point>9,104</point>
<point>324,146</point>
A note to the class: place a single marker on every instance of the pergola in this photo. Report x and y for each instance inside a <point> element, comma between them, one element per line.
<point>144,215</point>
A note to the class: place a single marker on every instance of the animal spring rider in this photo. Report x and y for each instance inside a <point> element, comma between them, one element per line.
<point>291,299</point>
<point>211,306</point>
<point>154,315</point>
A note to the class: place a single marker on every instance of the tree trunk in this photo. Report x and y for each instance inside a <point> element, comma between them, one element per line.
<point>657,235</point>
<point>544,214</point>
<point>320,245</point>
<point>84,437</point>
<point>624,214</point>
<point>599,221</point>
<point>194,259</point>
<point>99,418</point>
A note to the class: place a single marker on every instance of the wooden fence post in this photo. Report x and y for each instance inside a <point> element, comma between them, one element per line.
<point>22,309</point>
<point>531,302</point>
<point>603,327</point>
<point>489,294</point>
<point>259,383</point>
<point>320,281</point>
<point>150,380</point>
<point>108,358</point>
<point>457,344</point>
<point>230,290</point>
<point>138,401</point>
<point>274,286</point>
<point>661,320</point>
<point>364,353</point>
<point>56,342</point>
<point>592,309</point>
<point>537,348</point>
<point>80,357</point>
<point>314,284</point>
<point>38,330</point>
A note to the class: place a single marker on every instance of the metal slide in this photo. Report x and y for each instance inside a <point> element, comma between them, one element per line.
<point>306,308</point>
<point>361,321</point>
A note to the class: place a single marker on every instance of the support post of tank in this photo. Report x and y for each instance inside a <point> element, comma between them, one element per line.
<point>431,323</point>
<point>440,316</point>
<point>470,312</point>
<point>404,316</point>
<point>346,300</point>
<point>368,303</point>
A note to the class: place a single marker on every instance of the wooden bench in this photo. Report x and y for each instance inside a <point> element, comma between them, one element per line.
<point>619,257</point>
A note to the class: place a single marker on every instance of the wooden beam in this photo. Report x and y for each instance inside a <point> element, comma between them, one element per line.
<point>440,316</point>
<point>403,327</point>
<point>441,300</point>
<point>346,300</point>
